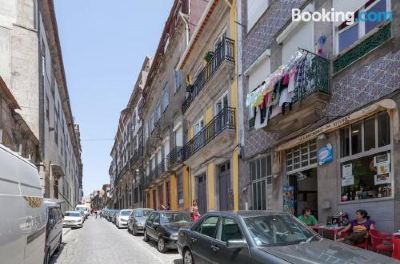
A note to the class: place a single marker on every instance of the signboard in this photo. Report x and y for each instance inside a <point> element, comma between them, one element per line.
<point>325,154</point>
<point>288,199</point>
<point>347,175</point>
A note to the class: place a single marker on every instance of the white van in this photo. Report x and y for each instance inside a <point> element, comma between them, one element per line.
<point>23,217</point>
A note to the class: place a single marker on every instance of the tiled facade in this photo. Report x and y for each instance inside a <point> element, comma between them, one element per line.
<point>368,80</point>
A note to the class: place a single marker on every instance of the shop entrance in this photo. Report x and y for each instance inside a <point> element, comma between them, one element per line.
<point>201,193</point>
<point>305,190</point>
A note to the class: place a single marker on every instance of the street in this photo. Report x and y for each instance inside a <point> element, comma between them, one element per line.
<point>100,241</point>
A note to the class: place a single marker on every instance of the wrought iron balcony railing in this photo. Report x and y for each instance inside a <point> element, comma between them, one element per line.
<point>224,120</point>
<point>175,157</point>
<point>315,79</point>
<point>223,52</point>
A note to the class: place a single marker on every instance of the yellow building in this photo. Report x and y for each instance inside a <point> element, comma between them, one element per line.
<point>210,109</point>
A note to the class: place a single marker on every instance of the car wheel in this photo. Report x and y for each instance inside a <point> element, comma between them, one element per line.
<point>145,237</point>
<point>187,257</point>
<point>47,257</point>
<point>134,231</point>
<point>161,245</point>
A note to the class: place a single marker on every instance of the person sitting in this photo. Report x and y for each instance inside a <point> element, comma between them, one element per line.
<point>360,228</point>
<point>307,218</point>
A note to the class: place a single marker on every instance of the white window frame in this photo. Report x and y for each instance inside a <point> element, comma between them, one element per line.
<point>361,28</point>
<point>221,100</point>
<point>197,123</point>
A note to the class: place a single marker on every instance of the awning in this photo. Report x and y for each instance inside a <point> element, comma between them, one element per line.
<point>386,104</point>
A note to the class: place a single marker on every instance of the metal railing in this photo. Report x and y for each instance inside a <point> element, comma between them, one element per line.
<point>223,52</point>
<point>314,78</point>
<point>224,120</point>
<point>175,156</point>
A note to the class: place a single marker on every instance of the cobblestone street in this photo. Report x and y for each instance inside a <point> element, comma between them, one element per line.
<point>101,242</point>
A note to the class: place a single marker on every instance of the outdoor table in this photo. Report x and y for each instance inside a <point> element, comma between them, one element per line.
<point>332,231</point>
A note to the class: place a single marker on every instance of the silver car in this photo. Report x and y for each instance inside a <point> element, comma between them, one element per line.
<point>137,220</point>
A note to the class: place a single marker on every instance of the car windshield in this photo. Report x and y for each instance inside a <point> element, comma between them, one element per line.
<point>174,217</point>
<point>277,230</point>
<point>141,213</point>
<point>126,213</point>
<point>76,214</point>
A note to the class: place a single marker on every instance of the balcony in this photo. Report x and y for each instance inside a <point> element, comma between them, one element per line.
<point>220,130</point>
<point>222,59</point>
<point>175,157</point>
<point>310,98</point>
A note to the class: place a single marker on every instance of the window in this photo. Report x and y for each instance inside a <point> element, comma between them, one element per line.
<point>255,9</point>
<point>230,230</point>
<point>198,126</point>
<point>47,108</point>
<point>178,79</point>
<point>369,16</point>
<point>374,131</point>
<point>366,169</point>
<point>208,227</point>
<point>165,97</point>
<point>261,180</point>
<point>301,157</point>
<point>179,187</point>
<point>221,103</point>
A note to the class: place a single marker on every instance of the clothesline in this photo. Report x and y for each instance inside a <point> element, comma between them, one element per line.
<point>255,96</point>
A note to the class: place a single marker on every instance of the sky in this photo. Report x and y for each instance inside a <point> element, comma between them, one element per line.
<point>104,44</point>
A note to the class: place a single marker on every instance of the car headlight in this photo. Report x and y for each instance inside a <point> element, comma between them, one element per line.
<point>174,236</point>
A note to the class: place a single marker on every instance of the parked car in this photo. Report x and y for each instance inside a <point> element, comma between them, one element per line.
<point>114,216</point>
<point>163,227</point>
<point>23,214</point>
<point>263,237</point>
<point>73,219</point>
<point>121,220</point>
<point>54,227</point>
<point>137,220</point>
<point>84,209</point>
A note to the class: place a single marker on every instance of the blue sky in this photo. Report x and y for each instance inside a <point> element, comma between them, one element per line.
<point>104,43</point>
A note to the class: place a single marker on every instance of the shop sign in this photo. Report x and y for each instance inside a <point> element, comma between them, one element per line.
<point>347,175</point>
<point>382,165</point>
<point>325,154</point>
<point>288,199</point>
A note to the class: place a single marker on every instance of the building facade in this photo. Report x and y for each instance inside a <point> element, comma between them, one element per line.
<point>14,131</point>
<point>32,68</point>
<point>212,150</point>
<point>166,176</point>
<point>126,169</point>
<point>320,110</point>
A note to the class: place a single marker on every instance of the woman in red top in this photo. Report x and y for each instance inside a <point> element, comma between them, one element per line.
<point>194,211</point>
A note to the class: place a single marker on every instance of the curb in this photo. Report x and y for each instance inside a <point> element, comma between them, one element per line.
<point>65,232</point>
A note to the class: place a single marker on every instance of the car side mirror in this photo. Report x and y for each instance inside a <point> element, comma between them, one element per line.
<point>236,243</point>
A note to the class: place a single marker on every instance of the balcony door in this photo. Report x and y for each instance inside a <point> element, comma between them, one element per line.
<point>221,117</point>
<point>198,139</point>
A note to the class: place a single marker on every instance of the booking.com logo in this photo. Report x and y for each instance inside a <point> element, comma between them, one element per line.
<point>340,16</point>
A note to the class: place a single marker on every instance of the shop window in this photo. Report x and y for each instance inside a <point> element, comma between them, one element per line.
<point>383,129</point>
<point>356,136</point>
<point>367,177</point>
<point>373,131</point>
<point>369,133</point>
<point>261,177</point>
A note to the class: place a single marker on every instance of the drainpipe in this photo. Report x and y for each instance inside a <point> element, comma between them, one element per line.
<point>42,167</point>
<point>240,74</point>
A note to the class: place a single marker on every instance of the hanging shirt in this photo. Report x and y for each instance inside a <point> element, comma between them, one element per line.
<point>285,97</point>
